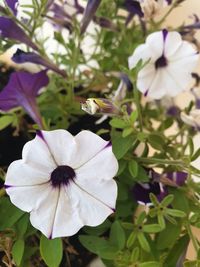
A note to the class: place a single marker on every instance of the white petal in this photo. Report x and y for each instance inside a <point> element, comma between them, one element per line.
<point>140,53</point>
<point>36,154</point>
<point>185,64</point>
<point>43,215</point>
<point>28,198</point>
<point>22,174</point>
<point>88,145</point>
<point>61,145</point>
<point>67,221</point>
<point>155,43</point>
<point>103,166</point>
<point>186,49</point>
<point>145,78</point>
<point>172,43</point>
<point>92,211</point>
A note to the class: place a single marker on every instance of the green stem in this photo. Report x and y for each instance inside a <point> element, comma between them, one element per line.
<point>193,239</point>
<point>137,102</point>
<point>161,161</point>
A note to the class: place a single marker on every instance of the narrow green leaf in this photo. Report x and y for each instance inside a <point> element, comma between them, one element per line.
<point>143,242</point>
<point>152,228</point>
<point>133,116</point>
<point>175,213</point>
<point>135,254</point>
<point>196,155</point>
<point>131,239</point>
<point>18,251</point>
<point>154,200</point>
<point>118,123</point>
<point>161,221</point>
<point>167,200</point>
<point>141,217</point>
<point>51,251</point>
<point>133,168</point>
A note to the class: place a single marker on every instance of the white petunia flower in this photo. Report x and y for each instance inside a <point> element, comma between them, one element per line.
<point>64,181</point>
<point>192,119</point>
<point>169,64</point>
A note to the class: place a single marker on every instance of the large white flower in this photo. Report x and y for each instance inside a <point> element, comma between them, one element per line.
<point>169,64</point>
<point>64,181</point>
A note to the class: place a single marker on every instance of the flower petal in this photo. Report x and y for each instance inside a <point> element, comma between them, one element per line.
<point>62,146</point>
<point>140,53</point>
<point>88,145</point>
<point>172,43</point>
<point>186,49</point>
<point>155,43</point>
<point>36,154</point>
<point>28,198</point>
<point>22,174</point>
<point>145,78</point>
<point>43,215</point>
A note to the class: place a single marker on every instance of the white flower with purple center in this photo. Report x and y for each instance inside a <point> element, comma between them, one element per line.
<point>64,181</point>
<point>169,64</point>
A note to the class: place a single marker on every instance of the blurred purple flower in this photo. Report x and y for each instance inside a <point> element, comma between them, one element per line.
<point>9,29</point>
<point>12,4</point>
<point>21,90</point>
<point>157,185</point>
<point>133,7</point>
<point>90,10</point>
<point>22,57</point>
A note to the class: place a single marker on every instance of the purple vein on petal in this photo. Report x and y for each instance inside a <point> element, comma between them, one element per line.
<point>146,92</point>
<point>40,135</point>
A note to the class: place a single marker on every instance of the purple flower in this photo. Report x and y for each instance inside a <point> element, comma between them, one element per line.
<point>90,10</point>
<point>9,29</point>
<point>22,57</point>
<point>22,90</point>
<point>157,185</point>
<point>133,7</point>
<point>12,4</point>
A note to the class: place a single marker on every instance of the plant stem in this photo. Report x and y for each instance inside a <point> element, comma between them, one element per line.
<point>137,102</point>
<point>193,239</point>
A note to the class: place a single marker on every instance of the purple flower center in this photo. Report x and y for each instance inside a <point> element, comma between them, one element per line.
<point>161,62</point>
<point>62,175</point>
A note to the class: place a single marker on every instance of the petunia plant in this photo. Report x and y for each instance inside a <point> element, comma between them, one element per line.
<point>99,134</point>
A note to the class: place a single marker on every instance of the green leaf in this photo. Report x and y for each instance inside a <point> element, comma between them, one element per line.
<point>180,201</point>
<point>51,251</point>
<point>175,213</point>
<point>157,141</point>
<point>108,253</point>
<point>196,155</point>
<point>18,251</point>
<point>176,251</point>
<point>167,200</point>
<point>22,225</point>
<point>98,230</point>
<point>150,264</point>
<point>161,221</point>
<point>9,213</point>
<point>192,263</point>
<point>135,254</point>
<point>133,116</point>
<point>5,121</point>
<point>191,146</point>
<point>118,123</point>
<point>121,145</point>
<point>93,243</point>
<point>154,200</point>
<point>117,235</point>
<point>168,236</point>
<point>143,242</point>
<point>131,239</point>
<point>133,168</point>
<point>141,217</point>
<point>127,131</point>
<point>152,228</point>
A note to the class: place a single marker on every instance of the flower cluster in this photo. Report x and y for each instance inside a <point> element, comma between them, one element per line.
<point>73,75</point>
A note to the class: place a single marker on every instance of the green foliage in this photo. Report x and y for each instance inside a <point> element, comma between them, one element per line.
<point>51,251</point>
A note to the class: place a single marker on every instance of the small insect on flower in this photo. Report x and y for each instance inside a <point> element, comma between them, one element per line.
<point>64,181</point>
<point>169,64</point>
